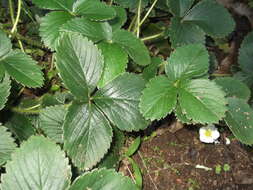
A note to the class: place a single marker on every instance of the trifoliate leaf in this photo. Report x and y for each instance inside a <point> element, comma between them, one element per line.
<point>55,4</point>
<point>23,69</point>
<point>119,101</point>
<point>94,10</point>
<point>115,60</point>
<point>5,44</point>
<point>51,122</point>
<point>183,33</point>
<point>180,7</point>
<point>119,20</point>
<point>234,88</point>
<point>202,101</point>
<point>5,85</point>
<point>37,164</point>
<point>158,98</point>
<point>246,54</point>
<point>80,64</point>
<point>187,62</point>
<point>239,118</point>
<point>133,46</point>
<point>50,27</point>
<point>212,17</point>
<point>103,179</point>
<point>7,145</point>
<point>87,135</point>
<point>95,31</point>
<point>20,126</point>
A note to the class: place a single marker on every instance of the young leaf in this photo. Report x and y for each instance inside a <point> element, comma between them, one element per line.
<point>151,70</point>
<point>212,17</point>
<point>202,101</point>
<point>5,85</point>
<point>94,10</point>
<point>246,54</point>
<point>239,118</point>
<point>23,69</point>
<point>80,64</point>
<point>119,20</point>
<point>50,27</point>
<point>7,145</point>
<point>119,101</point>
<point>133,46</point>
<point>234,88</point>
<point>87,135</point>
<point>103,179</point>
<point>55,4</point>
<point>5,44</point>
<point>20,126</point>
<point>95,31</point>
<point>51,122</point>
<point>158,98</point>
<point>136,172</point>
<point>180,7</point>
<point>37,164</point>
<point>187,62</point>
<point>183,33</point>
<point>133,147</point>
<point>115,60</point>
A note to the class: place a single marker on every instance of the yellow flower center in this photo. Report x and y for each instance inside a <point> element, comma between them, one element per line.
<point>208,133</point>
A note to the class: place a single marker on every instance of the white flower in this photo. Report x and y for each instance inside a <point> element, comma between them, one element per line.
<point>208,134</point>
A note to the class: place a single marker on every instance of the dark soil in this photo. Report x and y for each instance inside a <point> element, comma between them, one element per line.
<point>168,162</point>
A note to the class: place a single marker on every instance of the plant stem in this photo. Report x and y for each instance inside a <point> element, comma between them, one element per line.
<point>111,2</point>
<point>155,36</point>
<point>17,17</point>
<point>27,40</point>
<point>132,23</point>
<point>137,29</point>
<point>11,12</point>
<point>147,14</point>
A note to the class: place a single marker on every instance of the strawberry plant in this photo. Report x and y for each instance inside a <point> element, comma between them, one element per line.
<point>67,131</point>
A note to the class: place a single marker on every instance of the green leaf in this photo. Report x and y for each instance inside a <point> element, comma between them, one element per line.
<point>119,101</point>
<point>212,17</point>
<point>246,54</point>
<point>133,147</point>
<point>158,98</point>
<point>115,60</point>
<point>180,7</point>
<point>87,135</point>
<point>7,145</point>
<point>94,10</point>
<point>183,33</point>
<point>132,4</point>
<point>234,88</point>
<point>55,4</point>
<point>239,118</point>
<point>136,172</point>
<point>2,72</point>
<point>20,126</point>
<point>37,164</point>
<point>23,69</point>
<point>103,179</point>
<point>202,101</point>
<point>5,44</point>
<point>51,122</point>
<point>187,62</point>
<point>133,46</point>
<point>151,70</point>
<point>80,64</point>
<point>50,27</point>
<point>113,157</point>
<point>5,86</point>
<point>181,116</point>
<point>119,20</point>
<point>95,31</point>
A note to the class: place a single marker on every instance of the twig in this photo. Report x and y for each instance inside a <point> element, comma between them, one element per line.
<point>155,36</point>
